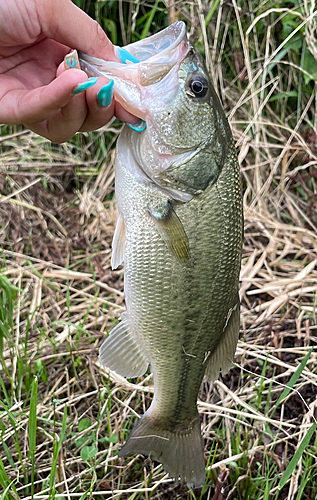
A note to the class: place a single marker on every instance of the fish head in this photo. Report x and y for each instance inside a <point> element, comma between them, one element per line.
<point>171,90</point>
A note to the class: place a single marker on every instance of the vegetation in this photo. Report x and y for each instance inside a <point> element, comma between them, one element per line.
<point>63,417</point>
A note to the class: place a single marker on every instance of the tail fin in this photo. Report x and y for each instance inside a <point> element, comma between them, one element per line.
<point>181,452</point>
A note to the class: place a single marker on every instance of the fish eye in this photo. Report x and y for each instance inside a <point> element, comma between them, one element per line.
<point>198,87</point>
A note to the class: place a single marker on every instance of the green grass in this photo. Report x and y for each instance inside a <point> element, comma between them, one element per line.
<point>63,418</point>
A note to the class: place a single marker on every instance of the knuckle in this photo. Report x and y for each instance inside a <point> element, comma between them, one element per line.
<point>101,42</point>
<point>100,34</point>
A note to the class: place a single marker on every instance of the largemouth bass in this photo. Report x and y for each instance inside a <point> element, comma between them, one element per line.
<point>179,233</point>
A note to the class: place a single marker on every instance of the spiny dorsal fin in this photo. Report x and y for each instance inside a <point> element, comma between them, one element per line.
<point>171,230</point>
<point>221,358</point>
<point>118,243</point>
<point>122,353</point>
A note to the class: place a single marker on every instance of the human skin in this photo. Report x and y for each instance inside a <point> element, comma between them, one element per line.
<point>35,89</point>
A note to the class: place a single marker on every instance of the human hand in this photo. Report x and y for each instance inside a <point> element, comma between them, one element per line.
<point>35,90</point>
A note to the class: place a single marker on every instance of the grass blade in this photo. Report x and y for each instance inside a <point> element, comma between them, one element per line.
<point>293,380</point>
<point>5,483</point>
<point>148,23</point>
<point>4,494</point>
<point>57,449</point>
<point>32,428</point>
<point>210,13</point>
<point>291,466</point>
<point>32,417</point>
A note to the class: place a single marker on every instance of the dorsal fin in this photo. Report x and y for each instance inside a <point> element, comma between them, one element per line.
<point>221,358</point>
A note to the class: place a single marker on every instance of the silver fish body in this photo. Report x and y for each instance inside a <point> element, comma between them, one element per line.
<point>179,233</point>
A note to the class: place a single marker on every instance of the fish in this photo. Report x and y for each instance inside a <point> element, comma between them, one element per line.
<point>179,233</point>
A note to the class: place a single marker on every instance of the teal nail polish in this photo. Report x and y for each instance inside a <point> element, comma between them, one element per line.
<point>105,94</point>
<point>71,62</point>
<point>125,56</point>
<point>138,127</point>
<point>86,85</point>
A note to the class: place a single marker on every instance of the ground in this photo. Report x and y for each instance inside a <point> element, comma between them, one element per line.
<point>63,417</point>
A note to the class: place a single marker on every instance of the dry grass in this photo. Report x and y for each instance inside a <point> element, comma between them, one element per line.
<point>57,218</point>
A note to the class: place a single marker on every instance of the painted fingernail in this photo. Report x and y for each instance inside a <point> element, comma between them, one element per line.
<point>86,85</point>
<point>138,127</point>
<point>125,56</point>
<point>105,94</point>
<point>71,60</point>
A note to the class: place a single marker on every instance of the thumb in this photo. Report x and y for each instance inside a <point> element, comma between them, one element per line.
<point>62,21</point>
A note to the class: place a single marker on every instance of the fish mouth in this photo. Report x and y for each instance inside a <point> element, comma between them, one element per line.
<point>157,56</point>
<point>167,46</point>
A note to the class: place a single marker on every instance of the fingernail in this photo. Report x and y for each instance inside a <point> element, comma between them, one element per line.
<point>138,127</point>
<point>71,60</point>
<point>125,56</point>
<point>105,94</point>
<point>86,85</point>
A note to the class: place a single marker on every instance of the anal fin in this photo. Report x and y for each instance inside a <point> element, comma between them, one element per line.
<point>221,358</point>
<point>121,351</point>
<point>118,243</point>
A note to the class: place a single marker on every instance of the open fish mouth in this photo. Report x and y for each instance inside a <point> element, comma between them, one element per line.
<point>169,46</point>
<point>156,56</point>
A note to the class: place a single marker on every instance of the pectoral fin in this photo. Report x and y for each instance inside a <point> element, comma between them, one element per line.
<point>221,358</point>
<point>171,230</point>
<point>118,243</point>
<point>122,353</point>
